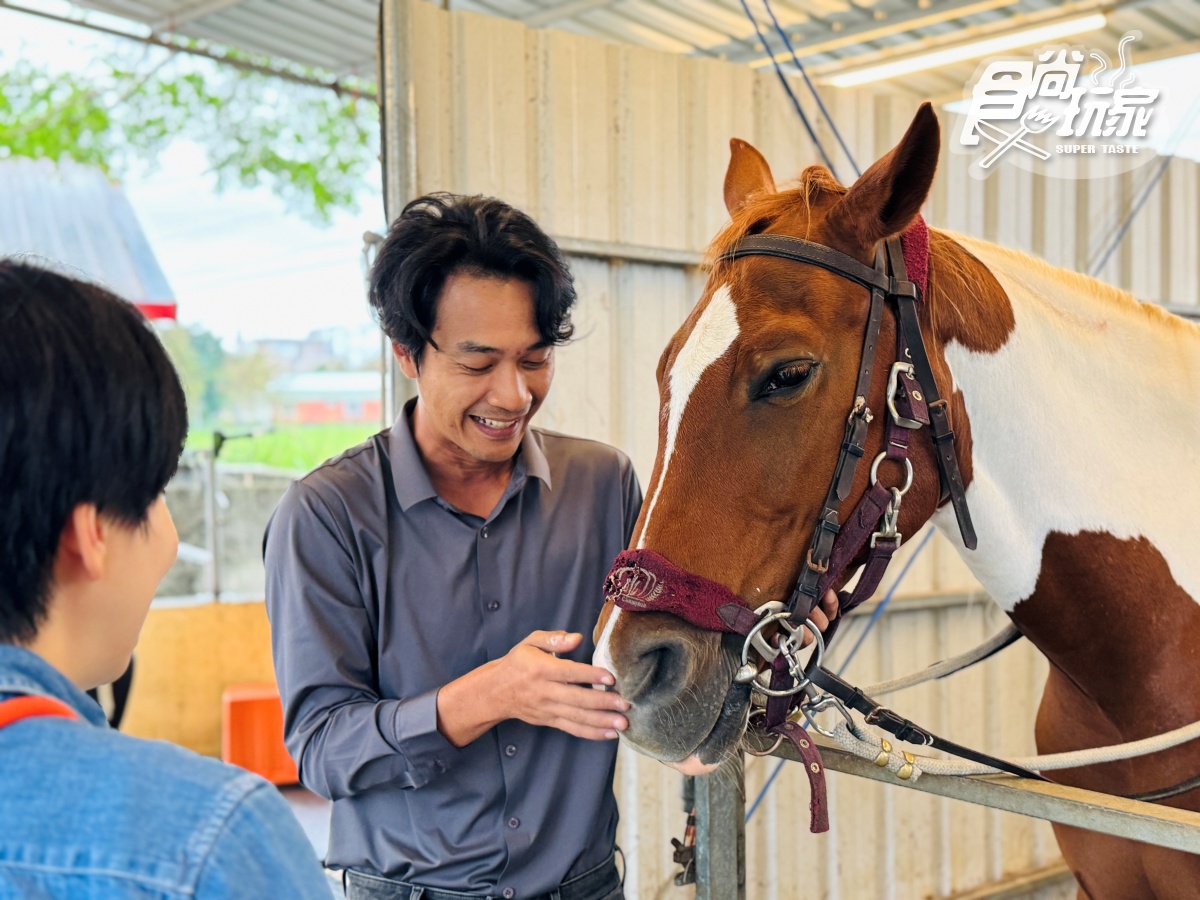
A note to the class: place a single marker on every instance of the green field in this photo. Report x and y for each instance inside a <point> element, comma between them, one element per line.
<point>296,447</point>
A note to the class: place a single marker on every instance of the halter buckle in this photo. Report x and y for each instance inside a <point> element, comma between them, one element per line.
<point>893,386</point>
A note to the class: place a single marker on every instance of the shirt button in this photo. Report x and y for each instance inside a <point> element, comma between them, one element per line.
<point>510,750</point>
<point>493,605</point>
<point>514,822</point>
<point>508,893</point>
<point>484,532</point>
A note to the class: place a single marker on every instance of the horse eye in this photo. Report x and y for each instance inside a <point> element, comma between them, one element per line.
<point>790,376</point>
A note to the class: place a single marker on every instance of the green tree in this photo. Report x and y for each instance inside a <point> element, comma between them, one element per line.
<point>311,146</point>
<point>199,358</point>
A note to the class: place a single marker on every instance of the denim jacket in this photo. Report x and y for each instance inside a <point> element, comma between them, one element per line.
<point>87,812</point>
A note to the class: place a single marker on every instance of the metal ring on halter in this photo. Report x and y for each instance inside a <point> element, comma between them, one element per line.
<point>778,737</point>
<point>785,647</point>
<point>908,472</point>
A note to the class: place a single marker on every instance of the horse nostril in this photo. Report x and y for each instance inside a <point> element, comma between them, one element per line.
<point>660,670</point>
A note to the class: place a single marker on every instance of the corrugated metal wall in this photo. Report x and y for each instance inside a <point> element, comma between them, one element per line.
<point>614,144</point>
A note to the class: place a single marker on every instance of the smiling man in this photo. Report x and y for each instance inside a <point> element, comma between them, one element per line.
<point>432,590</point>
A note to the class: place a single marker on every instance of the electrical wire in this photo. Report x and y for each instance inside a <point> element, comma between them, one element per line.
<point>811,88</point>
<point>787,87</point>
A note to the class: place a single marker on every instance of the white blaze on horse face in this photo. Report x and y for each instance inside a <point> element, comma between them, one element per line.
<point>712,335</point>
<point>1085,420</point>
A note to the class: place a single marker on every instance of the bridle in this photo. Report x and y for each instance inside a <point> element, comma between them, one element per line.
<point>643,580</point>
<point>912,402</point>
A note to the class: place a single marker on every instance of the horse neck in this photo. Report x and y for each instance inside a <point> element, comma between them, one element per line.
<point>1084,429</point>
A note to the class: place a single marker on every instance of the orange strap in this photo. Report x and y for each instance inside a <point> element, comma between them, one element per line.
<point>32,707</point>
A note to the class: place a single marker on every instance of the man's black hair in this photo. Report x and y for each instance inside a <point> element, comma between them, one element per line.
<point>440,235</point>
<point>91,411</point>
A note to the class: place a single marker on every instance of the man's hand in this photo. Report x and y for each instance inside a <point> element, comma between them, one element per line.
<point>529,683</point>
<point>822,614</point>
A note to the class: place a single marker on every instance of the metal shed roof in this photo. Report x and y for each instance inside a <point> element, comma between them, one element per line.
<point>73,216</point>
<point>831,35</point>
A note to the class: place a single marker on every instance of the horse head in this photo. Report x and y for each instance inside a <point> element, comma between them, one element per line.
<point>754,391</point>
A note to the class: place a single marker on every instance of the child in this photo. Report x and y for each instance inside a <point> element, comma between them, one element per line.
<point>92,422</point>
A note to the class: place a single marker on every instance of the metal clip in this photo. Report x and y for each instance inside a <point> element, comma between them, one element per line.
<point>889,521</point>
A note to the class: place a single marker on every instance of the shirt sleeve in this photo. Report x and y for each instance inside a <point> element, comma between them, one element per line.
<point>344,737</point>
<point>260,851</point>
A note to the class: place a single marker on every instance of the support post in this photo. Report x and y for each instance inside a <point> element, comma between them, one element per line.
<point>397,111</point>
<point>721,833</point>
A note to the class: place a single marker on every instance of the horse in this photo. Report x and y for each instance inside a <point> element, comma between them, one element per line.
<point>1076,432</point>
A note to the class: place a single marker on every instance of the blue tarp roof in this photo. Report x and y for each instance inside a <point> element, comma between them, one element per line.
<point>73,215</point>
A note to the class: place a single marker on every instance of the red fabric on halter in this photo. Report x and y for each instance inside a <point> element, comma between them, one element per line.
<point>644,581</point>
<point>32,707</point>
<point>915,243</point>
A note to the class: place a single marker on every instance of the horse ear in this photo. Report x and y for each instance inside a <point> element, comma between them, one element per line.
<point>888,196</point>
<point>748,173</point>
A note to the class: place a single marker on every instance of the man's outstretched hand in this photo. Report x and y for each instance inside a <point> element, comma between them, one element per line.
<point>531,684</point>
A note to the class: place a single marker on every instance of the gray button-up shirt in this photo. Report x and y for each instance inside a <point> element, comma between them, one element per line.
<point>379,592</point>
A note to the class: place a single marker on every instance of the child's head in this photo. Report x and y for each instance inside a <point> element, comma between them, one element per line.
<point>92,423</point>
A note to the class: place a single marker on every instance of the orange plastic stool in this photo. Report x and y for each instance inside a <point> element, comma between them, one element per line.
<point>252,732</point>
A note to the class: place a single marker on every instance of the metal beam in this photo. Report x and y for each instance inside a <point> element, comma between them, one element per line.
<point>1020,886</point>
<point>191,14</point>
<point>1163,826</point>
<point>563,11</point>
<point>628,252</point>
<point>338,87</point>
<point>872,30</point>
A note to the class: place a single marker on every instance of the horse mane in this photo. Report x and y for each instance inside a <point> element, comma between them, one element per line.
<point>1047,280</point>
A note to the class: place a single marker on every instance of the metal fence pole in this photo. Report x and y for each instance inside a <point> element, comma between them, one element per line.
<point>721,832</point>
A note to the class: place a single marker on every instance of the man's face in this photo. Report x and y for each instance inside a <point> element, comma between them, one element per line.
<point>489,372</point>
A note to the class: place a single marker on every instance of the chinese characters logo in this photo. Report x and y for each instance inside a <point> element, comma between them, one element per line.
<point>1048,106</point>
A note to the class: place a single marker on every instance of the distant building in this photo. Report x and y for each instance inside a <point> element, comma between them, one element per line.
<point>314,398</point>
<point>336,348</point>
<point>72,216</point>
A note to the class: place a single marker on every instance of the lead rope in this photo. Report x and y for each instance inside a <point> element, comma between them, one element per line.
<point>865,744</point>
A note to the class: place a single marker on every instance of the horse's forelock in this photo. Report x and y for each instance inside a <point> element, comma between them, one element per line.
<point>760,212</point>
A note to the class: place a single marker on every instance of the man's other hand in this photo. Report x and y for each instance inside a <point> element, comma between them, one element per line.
<point>538,688</point>
<point>531,684</point>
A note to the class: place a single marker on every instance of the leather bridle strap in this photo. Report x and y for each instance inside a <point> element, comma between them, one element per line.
<point>817,562</point>
<point>939,417</point>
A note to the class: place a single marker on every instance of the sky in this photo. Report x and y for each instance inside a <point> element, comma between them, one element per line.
<point>244,268</point>
<point>240,264</point>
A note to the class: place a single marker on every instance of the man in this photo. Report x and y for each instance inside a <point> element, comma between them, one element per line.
<point>92,422</point>
<point>467,754</point>
<point>430,590</point>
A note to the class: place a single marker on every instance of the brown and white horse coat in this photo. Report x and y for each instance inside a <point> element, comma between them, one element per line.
<point>1078,423</point>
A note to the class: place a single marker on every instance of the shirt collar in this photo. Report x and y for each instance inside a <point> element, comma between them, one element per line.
<point>23,672</point>
<point>412,482</point>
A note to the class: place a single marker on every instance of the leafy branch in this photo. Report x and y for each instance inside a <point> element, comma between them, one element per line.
<point>311,146</point>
